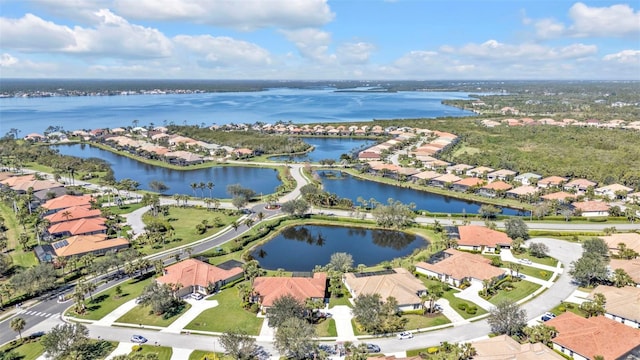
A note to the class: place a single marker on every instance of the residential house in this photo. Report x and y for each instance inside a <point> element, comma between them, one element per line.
<point>613,191</point>
<point>630,240</point>
<point>591,208</point>
<point>268,289</point>
<point>454,267</point>
<point>183,158</point>
<point>502,175</point>
<point>622,305</point>
<point>78,246</point>
<point>398,283</point>
<point>425,176</point>
<point>551,181</point>
<point>579,186</point>
<point>523,192</point>
<point>368,156</point>
<point>480,238</point>
<point>34,137</point>
<point>479,172</point>
<point>47,194</point>
<point>435,164</point>
<point>631,267</point>
<point>458,169</point>
<point>504,347</point>
<point>89,226</point>
<point>467,183</point>
<point>195,276</point>
<point>66,201</point>
<point>444,181</point>
<point>73,213</point>
<point>584,339</point>
<point>527,178</point>
<point>496,188</point>
<point>560,196</point>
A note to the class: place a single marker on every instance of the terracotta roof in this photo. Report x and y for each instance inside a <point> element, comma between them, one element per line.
<point>75,212</point>
<point>460,265</point>
<point>14,180</point>
<point>589,206</point>
<point>66,201</point>
<point>523,190</point>
<point>83,244</point>
<point>402,285</point>
<point>552,180</point>
<point>560,195</point>
<point>502,172</point>
<point>504,347</point>
<point>497,186</point>
<point>427,175</point>
<point>580,183</point>
<point>36,185</point>
<point>632,240</point>
<point>470,181</point>
<point>475,235</point>
<point>623,301</point>
<point>613,188</point>
<point>447,178</point>
<point>480,170</point>
<point>459,167</point>
<point>5,175</point>
<point>271,288</point>
<point>594,336</point>
<point>192,272</point>
<point>78,227</point>
<point>631,267</point>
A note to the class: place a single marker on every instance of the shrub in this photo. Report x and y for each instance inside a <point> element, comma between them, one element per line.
<point>497,251</point>
<point>472,310</point>
<point>570,306</point>
<point>562,309</point>
<point>209,356</point>
<point>432,350</point>
<point>462,306</point>
<point>136,348</point>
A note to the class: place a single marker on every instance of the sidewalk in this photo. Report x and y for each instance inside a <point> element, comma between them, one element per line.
<point>111,317</point>
<point>450,313</point>
<point>197,307</point>
<point>471,294</point>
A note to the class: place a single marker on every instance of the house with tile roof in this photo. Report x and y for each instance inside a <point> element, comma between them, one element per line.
<point>78,246</point>
<point>66,201</point>
<point>612,191</point>
<point>480,171</point>
<point>527,178</point>
<point>458,169</point>
<point>560,196</point>
<point>584,339</point>
<point>467,184</point>
<point>522,192</point>
<point>444,181</point>
<point>480,238</point>
<point>623,303</point>
<point>268,289</point>
<point>631,267</point>
<point>504,347</point>
<point>551,181</point>
<point>398,283</point>
<point>495,188</point>
<point>73,213</point>
<point>502,175</point>
<point>579,186</point>
<point>454,267</point>
<point>88,226</point>
<point>631,240</point>
<point>195,276</point>
<point>591,208</point>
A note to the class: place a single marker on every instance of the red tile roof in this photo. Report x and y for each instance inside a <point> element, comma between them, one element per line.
<point>560,195</point>
<point>475,235</point>
<point>590,206</point>
<point>78,227</point>
<point>67,201</point>
<point>594,336</point>
<point>497,186</point>
<point>271,288</point>
<point>192,272</point>
<point>470,181</point>
<point>460,265</point>
<point>74,213</point>
<point>83,244</point>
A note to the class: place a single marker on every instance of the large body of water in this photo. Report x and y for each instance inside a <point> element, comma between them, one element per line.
<point>328,148</point>
<point>314,245</point>
<point>260,180</point>
<point>347,186</point>
<point>269,106</point>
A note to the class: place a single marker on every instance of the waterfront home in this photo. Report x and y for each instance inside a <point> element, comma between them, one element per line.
<point>467,184</point>
<point>480,171</point>
<point>73,213</point>
<point>551,181</point>
<point>89,226</point>
<point>183,158</point>
<point>622,305</point>
<point>527,178</point>
<point>502,175</point>
<point>504,347</point>
<point>66,201</point>
<point>613,191</point>
<point>455,267</point>
<point>631,267</point>
<point>591,208</point>
<point>34,137</point>
<point>195,276</point>
<point>579,186</point>
<point>523,192</point>
<point>78,246</point>
<point>398,283</point>
<point>493,189</point>
<point>480,238</point>
<point>559,196</point>
<point>584,339</point>
<point>425,176</point>
<point>268,289</point>
<point>368,156</point>
<point>444,181</point>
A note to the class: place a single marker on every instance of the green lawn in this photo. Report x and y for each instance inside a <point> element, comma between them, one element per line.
<point>163,352</point>
<point>199,355</point>
<point>228,315</point>
<point>21,259</point>
<point>547,260</point>
<point>420,322</point>
<point>454,301</point>
<point>574,308</point>
<point>141,315</point>
<point>124,209</point>
<point>520,290</point>
<point>532,271</point>
<point>28,350</point>
<point>335,301</point>
<point>326,328</point>
<point>106,301</point>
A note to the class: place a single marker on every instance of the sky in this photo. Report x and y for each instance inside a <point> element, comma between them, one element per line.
<point>321,39</point>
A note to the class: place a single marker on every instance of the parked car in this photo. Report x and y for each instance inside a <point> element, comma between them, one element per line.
<point>405,335</point>
<point>138,339</point>
<point>373,348</point>
<point>525,261</point>
<point>197,296</point>
<point>547,316</point>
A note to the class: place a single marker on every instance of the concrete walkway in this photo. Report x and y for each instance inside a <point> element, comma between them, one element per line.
<point>450,313</point>
<point>197,307</point>
<point>123,348</point>
<point>266,333</point>
<point>471,294</point>
<point>578,297</point>
<point>116,314</point>
<point>342,316</point>
<point>180,353</point>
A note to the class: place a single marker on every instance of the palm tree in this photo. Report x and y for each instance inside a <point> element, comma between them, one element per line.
<point>66,215</point>
<point>235,225</point>
<point>210,186</point>
<point>18,324</point>
<point>248,222</point>
<point>201,186</point>
<point>194,186</point>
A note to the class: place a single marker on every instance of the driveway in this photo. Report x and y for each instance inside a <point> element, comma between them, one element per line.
<point>342,317</point>
<point>450,313</point>
<point>471,294</point>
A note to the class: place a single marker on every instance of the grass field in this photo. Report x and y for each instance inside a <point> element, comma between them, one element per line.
<point>454,301</point>
<point>163,352</point>
<point>106,301</point>
<point>535,272</point>
<point>520,290</point>
<point>326,328</point>
<point>544,261</point>
<point>199,355</point>
<point>143,315</point>
<point>21,259</point>
<point>228,315</point>
<point>27,350</point>
<point>420,322</point>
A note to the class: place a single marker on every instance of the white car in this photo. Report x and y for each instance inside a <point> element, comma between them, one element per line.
<point>405,335</point>
<point>525,261</point>
<point>197,296</point>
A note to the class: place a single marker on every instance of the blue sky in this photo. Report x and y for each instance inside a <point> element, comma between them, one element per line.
<point>320,39</point>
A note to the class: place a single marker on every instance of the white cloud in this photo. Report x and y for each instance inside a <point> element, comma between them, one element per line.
<point>615,20</point>
<point>311,43</point>
<point>549,28</point>
<point>6,60</point>
<point>224,50</point>
<point>626,57</point>
<point>31,33</point>
<point>244,14</point>
<point>354,53</point>
<point>495,50</point>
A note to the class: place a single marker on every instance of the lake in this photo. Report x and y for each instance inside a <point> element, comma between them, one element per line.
<point>260,180</point>
<point>268,106</point>
<point>328,148</point>
<point>300,248</point>
<point>350,187</point>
